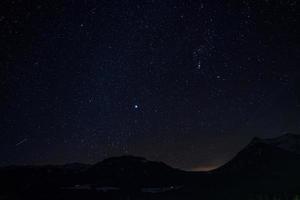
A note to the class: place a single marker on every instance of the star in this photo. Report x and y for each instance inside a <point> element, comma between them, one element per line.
<point>199,65</point>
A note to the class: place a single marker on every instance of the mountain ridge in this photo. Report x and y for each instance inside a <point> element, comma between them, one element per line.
<point>263,166</point>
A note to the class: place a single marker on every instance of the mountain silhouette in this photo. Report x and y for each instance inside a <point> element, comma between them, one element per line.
<point>267,167</point>
<point>267,156</point>
<point>264,166</point>
<point>118,171</point>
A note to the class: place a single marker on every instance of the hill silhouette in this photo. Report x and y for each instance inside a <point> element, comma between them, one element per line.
<point>265,167</point>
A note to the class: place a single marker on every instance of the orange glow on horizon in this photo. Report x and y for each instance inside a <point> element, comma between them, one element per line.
<point>204,168</point>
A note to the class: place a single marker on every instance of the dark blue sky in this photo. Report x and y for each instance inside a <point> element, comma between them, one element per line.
<point>185,82</point>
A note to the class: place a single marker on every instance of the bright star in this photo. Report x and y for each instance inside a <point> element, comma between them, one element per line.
<point>199,65</point>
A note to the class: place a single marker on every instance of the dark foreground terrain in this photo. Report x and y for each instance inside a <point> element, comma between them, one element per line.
<point>264,169</point>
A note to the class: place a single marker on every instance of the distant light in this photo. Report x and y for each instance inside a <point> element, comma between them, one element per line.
<point>136,106</point>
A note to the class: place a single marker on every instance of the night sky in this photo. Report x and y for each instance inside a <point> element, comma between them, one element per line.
<point>187,82</point>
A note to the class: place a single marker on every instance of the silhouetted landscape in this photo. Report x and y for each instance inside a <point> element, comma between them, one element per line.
<point>149,100</point>
<point>264,169</point>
